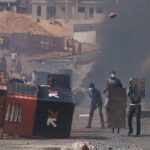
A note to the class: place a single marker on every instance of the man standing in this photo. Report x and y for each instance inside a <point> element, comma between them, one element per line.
<point>79,48</point>
<point>112,82</point>
<point>68,45</point>
<point>96,101</point>
<point>1,43</point>
<point>135,107</point>
<point>13,56</point>
<point>34,77</point>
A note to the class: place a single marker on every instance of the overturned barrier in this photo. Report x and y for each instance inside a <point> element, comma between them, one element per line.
<point>30,110</point>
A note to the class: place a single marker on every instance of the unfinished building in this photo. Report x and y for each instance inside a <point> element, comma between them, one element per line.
<point>68,9</point>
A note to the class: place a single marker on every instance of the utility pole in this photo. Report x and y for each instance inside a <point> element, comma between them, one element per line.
<point>66,10</point>
<point>76,9</point>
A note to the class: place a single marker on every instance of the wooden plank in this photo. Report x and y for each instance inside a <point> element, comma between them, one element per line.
<point>117,108</point>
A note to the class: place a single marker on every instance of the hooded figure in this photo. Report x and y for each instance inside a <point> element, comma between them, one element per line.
<point>96,102</point>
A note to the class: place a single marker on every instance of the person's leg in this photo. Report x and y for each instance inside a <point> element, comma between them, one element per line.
<point>90,116</point>
<point>118,130</point>
<point>130,117</point>
<point>101,116</point>
<point>113,131</point>
<point>12,63</point>
<point>15,64</point>
<point>106,108</point>
<point>138,119</point>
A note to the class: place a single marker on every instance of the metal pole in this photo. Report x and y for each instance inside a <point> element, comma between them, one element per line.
<point>76,9</point>
<point>66,10</point>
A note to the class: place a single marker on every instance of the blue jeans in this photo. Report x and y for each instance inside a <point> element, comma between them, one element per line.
<point>92,109</point>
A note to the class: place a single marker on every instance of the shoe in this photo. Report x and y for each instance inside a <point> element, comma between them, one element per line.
<point>137,135</point>
<point>129,133</point>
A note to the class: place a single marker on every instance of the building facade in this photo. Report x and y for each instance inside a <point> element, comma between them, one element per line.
<point>20,6</point>
<point>7,5</point>
<point>24,6</point>
<point>69,9</point>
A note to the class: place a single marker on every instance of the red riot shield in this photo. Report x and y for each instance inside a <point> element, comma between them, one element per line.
<point>117,108</point>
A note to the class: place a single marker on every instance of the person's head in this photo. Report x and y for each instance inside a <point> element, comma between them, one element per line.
<point>131,81</point>
<point>91,86</point>
<point>51,82</point>
<point>113,74</point>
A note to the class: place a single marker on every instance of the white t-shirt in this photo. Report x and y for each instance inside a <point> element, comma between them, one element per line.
<point>13,55</point>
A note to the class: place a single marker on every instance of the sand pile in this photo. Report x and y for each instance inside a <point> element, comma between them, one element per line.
<point>12,22</point>
<point>57,29</point>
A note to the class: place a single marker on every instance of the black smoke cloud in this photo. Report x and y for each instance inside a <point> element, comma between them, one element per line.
<point>125,42</point>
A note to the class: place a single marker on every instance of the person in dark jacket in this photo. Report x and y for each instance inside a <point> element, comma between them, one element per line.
<point>134,108</point>
<point>96,102</point>
<point>112,82</point>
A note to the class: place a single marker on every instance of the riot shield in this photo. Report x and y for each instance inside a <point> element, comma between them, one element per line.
<point>139,83</point>
<point>117,108</point>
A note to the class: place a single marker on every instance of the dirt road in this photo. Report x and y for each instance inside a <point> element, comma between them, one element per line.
<point>101,138</point>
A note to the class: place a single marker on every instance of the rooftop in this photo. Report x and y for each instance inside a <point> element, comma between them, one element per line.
<point>8,1</point>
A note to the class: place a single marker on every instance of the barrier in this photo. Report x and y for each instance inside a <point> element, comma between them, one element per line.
<point>42,111</point>
<point>54,113</point>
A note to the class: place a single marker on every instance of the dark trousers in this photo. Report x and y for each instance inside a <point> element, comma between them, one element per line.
<point>134,109</point>
<point>92,109</point>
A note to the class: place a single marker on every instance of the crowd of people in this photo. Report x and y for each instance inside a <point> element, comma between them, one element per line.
<point>76,50</point>
<point>97,102</point>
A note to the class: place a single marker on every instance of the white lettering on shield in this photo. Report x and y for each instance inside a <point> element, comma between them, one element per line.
<point>52,118</point>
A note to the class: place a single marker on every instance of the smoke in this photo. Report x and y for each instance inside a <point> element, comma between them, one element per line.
<point>125,42</point>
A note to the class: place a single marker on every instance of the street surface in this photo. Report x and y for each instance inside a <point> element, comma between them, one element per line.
<point>101,138</point>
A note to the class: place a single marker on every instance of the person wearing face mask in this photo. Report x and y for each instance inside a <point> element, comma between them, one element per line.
<point>96,102</point>
<point>112,82</point>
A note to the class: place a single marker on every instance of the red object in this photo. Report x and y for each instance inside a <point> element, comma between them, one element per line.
<point>112,15</point>
<point>19,114</point>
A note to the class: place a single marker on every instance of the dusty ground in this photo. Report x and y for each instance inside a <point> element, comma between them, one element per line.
<point>102,138</point>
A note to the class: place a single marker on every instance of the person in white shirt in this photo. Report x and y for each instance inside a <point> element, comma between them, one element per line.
<point>14,57</point>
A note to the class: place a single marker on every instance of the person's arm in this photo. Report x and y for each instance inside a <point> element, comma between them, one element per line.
<point>106,88</point>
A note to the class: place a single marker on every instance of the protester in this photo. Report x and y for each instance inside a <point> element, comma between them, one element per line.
<point>38,20</point>
<point>30,30</point>
<point>73,50</point>
<point>19,66</point>
<point>68,45</point>
<point>112,82</point>
<point>1,43</point>
<point>14,57</point>
<point>96,102</point>
<point>34,77</point>
<point>51,21</point>
<point>3,64</point>
<point>79,48</point>
<point>134,108</point>
<point>51,82</point>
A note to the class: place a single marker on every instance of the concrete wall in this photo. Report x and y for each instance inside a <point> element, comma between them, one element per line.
<point>88,37</point>
<point>71,11</point>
